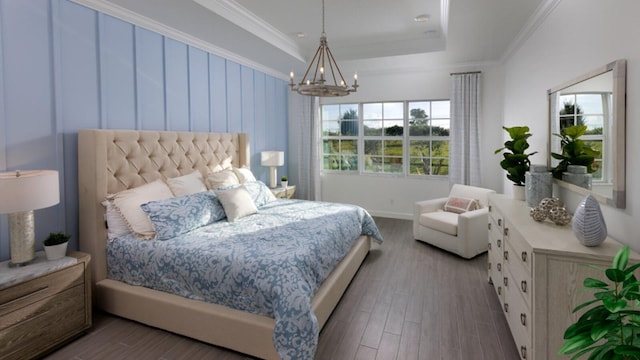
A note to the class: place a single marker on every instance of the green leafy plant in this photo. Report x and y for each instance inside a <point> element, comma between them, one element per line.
<point>611,328</point>
<point>284,178</point>
<point>56,239</point>
<point>574,150</point>
<point>516,162</point>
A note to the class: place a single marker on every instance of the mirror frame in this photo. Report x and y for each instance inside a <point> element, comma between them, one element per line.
<point>619,72</point>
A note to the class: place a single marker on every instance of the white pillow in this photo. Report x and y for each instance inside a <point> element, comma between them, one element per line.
<point>244,174</point>
<point>187,184</point>
<point>116,226</point>
<point>237,203</point>
<point>460,205</point>
<point>221,178</point>
<point>128,204</point>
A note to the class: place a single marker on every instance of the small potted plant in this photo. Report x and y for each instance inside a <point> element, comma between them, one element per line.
<point>284,181</point>
<point>55,245</point>
<point>516,162</point>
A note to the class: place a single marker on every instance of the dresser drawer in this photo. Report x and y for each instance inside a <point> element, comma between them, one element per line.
<point>33,328</point>
<point>519,279</point>
<point>28,292</point>
<point>521,253</point>
<point>518,315</point>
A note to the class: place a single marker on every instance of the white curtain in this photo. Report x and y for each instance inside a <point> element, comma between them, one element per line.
<point>305,146</point>
<point>464,145</point>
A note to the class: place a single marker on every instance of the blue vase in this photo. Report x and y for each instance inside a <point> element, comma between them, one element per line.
<point>538,184</point>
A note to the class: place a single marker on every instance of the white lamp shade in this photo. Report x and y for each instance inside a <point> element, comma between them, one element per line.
<point>272,158</point>
<point>28,190</point>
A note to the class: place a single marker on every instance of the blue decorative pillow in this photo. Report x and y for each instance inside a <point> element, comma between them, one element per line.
<point>259,191</point>
<point>181,214</point>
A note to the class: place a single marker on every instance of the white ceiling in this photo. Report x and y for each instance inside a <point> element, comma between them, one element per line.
<point>360,32</point>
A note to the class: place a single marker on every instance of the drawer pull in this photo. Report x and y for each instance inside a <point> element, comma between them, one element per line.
<point>506,231</point>
<point>490,208</point>
<point>506,307</point>
<point>524,256</point>
<point>489,226</point>
<point>500,222</point>
<point>499,290</point>
<point>489,265</point>
<point>26,296</point>
<point>506,281</point>
<point>506,255</point>
<point>523,286</point>
<point>523,352</point>
<point>499,243</point>
<point>499,267</point>
<point>27,320</point>
<point>489,246</point>
<point>523,319</point>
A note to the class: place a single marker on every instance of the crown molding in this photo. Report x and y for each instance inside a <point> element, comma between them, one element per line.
<point>542,12</point>
<point>136,19</point>
<point>242,17</point>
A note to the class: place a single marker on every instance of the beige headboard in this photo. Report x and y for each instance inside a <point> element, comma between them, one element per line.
<point>114,160</point>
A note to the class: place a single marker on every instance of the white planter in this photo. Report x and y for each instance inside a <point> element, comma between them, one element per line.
<point>284,184</point>
<point>56,252</point>
<point>518,192</point>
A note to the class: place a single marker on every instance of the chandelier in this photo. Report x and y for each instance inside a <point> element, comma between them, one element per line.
<point>322,67</point>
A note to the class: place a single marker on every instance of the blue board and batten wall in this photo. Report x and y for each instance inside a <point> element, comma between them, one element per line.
<point>64,67</point>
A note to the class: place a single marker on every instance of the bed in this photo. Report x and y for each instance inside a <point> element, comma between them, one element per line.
<point>111,161</point>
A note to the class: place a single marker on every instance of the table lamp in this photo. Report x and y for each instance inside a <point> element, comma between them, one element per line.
<point>272,159</point>
<point>21,192</point>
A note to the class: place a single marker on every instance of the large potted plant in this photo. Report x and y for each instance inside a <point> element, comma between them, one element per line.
<point>516,162</point>
<point>574,151</point>
<point>611,328</point>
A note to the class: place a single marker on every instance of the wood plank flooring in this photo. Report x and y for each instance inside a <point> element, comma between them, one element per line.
<point>408,301</point>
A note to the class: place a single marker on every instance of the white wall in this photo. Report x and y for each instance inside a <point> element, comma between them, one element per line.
<point>393,196</point>
<point>577,37</point>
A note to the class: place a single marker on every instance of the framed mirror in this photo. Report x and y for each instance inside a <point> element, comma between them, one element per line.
<point>598,100</point>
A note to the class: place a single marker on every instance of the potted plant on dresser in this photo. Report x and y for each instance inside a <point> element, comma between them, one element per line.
<point>55,245</point>
<point>516,162</point>
<point>284,181</point>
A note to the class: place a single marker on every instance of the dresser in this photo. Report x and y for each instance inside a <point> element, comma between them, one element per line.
<point>537,270</point>
<point>43,305</point>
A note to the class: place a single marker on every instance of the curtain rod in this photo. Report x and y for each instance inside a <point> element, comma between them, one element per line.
<point>469,72</point>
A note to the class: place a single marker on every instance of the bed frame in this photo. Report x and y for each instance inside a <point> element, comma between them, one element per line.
<point>110,161</point>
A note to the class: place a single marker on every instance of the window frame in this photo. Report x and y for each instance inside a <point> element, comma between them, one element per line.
<point>406,138</point>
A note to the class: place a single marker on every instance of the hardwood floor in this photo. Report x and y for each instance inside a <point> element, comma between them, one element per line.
<point>408,301</point>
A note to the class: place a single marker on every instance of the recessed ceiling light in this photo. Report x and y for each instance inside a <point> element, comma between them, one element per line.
<point>300,35</point>
<point>421,18</point>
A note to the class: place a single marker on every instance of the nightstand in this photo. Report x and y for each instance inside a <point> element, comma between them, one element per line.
<point>43,304</point>
<point>284,193</point>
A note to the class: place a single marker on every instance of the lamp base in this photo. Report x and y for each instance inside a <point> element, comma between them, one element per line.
<point>273,177</point>
<point>22,234</point>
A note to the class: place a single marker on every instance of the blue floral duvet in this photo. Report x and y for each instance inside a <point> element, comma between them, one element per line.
<point>270,264</point>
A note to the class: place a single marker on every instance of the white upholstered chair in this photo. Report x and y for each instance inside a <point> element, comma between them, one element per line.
<point>463,233</point>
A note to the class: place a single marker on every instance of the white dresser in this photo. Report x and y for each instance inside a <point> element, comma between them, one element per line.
<point>537,270</point>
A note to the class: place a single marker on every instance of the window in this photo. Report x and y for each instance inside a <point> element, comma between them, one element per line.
<point>383,127</point>
<point>429,125</point>
<point>340,128</point>
<point>371,138</point>
<point>588,109</point>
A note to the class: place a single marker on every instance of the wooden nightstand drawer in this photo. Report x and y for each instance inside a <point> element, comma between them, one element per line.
<point>28,331</point>
<point>28,292</point>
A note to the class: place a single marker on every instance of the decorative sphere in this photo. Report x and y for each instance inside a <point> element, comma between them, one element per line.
<point>538,214</point>
<point>549,203</point>
<point>559,215</point>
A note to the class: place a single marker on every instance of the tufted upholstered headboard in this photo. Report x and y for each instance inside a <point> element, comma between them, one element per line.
<point>110,161</point>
